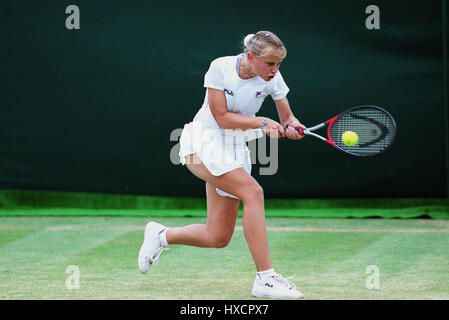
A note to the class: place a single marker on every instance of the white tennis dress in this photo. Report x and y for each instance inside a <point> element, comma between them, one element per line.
<point>224,150</point>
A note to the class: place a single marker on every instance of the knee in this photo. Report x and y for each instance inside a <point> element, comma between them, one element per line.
<point>253,192</point>
<point>220,241</point>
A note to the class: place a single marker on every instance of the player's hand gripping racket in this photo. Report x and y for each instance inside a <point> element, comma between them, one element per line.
<point>374,128</point>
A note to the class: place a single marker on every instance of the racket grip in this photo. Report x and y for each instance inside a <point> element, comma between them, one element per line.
<point>300,131</point>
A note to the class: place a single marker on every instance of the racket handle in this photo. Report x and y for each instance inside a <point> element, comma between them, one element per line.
<point>300,131</point>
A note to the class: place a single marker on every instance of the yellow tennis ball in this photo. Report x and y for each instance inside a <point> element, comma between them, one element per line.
<point>350,138</point>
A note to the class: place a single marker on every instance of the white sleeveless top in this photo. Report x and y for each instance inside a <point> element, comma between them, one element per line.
<point>243,96</point>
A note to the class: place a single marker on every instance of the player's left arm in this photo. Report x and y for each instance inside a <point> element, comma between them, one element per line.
<point>286,117</point>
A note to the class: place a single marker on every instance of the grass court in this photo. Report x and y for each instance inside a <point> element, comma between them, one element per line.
<point>329,258</point>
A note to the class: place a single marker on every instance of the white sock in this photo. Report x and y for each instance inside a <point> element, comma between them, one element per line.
<point>163,237</point>
<point>265,274</point>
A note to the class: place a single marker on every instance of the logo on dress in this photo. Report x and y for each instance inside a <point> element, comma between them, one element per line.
<point>258,94</point>
<point>228,92</point>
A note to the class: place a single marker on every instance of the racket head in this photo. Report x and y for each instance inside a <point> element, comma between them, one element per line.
<point>375,127</point>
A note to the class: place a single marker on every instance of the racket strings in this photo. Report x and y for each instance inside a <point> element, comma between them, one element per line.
<point>374,127</point>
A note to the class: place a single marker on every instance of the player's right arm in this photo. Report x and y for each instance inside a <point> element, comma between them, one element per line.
<point>231,120</point>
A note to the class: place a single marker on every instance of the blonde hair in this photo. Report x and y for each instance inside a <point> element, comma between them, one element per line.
<point>264,43</point>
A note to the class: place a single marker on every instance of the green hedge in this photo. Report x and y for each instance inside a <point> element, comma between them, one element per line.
<point>41,203</point>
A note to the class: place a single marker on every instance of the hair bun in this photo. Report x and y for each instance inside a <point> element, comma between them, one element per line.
<point>247,38</point>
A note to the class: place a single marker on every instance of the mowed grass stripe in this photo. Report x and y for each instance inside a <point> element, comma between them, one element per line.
<point>394,255</point>
<point>329,262</point>
<point>330,270</point>
<point>8,236</point>
<point>40,257</point>
<point>183,272</point>
<point>427,274</point>
<point>311,257</point>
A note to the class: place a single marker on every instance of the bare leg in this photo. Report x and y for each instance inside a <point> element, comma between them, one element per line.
<point>241,184</point>
<point>221,217</point>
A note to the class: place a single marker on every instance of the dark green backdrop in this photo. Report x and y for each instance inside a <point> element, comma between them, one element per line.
<point>92,109</point>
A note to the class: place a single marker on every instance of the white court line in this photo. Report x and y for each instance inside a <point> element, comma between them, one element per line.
<point>300,229</point>
<point>125,228</point>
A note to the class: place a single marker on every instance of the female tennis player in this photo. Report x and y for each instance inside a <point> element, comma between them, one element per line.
<point>213,148</point>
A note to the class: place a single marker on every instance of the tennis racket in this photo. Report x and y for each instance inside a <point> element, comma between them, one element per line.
<point>374,126</point>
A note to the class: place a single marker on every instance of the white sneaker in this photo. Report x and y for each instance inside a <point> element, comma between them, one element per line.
<point>276,287</point>
<point>151,248</point>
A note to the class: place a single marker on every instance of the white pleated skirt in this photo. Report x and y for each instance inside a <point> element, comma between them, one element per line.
<point>220,151</point>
